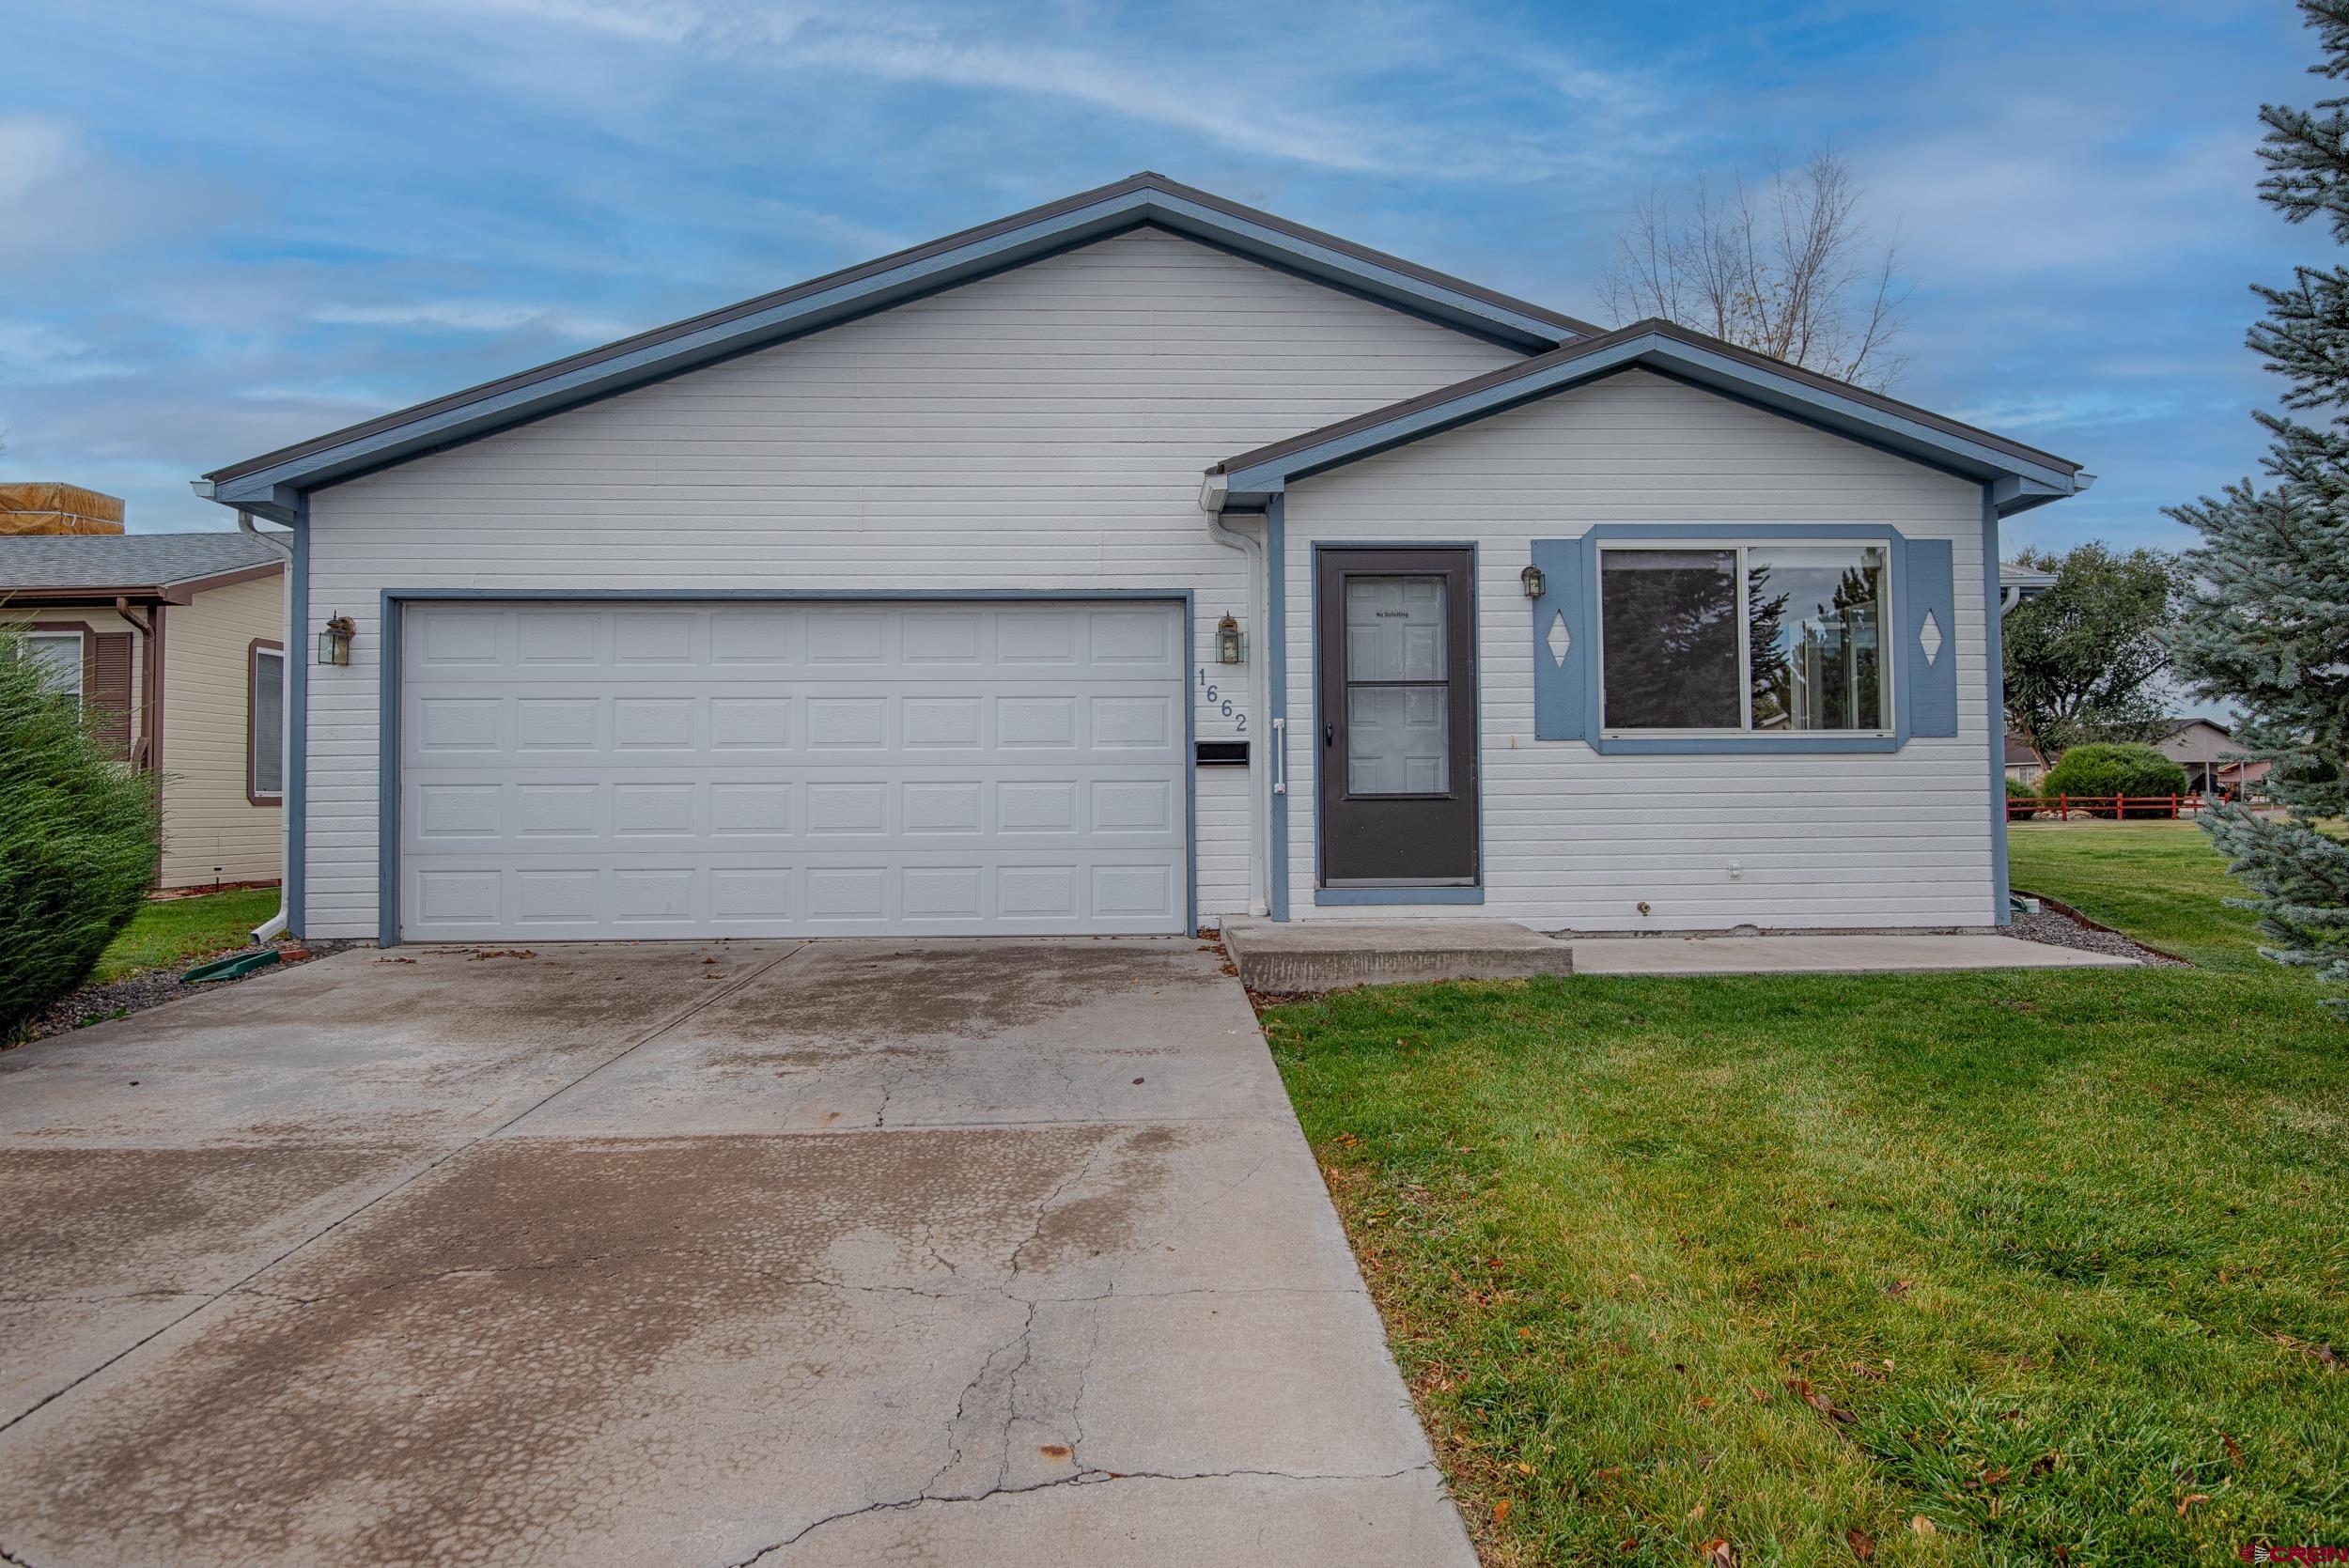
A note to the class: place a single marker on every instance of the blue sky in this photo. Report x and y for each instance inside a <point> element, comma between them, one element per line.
<point>230,226</point>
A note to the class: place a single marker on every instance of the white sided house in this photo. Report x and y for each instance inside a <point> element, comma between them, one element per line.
<point>1133,562</point>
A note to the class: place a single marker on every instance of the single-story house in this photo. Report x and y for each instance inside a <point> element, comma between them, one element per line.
<point>1131,563</point>
<point>2200,745</point>
<point>2024,762</point>
<point>180,639</point>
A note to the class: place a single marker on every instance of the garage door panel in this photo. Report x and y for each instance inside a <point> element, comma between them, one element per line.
<point>811,770</point>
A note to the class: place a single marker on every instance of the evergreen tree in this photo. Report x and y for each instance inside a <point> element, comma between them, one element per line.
<point>2266,624</point>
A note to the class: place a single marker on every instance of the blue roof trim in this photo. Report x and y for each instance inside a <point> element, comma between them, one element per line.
<point>2020,480</point>
<point>269,487</point>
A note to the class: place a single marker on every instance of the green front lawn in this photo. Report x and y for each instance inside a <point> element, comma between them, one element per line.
<point>175,930</point>
<point>1988,1269</point>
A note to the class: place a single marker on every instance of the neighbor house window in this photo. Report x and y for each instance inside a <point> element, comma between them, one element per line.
<point>265,759</point>
<point>1765,638</point>
<point>59,655</point>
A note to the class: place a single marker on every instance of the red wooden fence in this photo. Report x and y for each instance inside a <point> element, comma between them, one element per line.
<point>2021,808</point>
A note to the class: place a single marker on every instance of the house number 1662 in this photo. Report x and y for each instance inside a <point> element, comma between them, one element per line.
<point>1218,700</point>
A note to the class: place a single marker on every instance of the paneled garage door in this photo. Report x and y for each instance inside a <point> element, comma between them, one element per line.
<point>572,770</point>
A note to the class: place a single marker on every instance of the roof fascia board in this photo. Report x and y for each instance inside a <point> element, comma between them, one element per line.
<point>1689,362</point>
<point>270,492</point>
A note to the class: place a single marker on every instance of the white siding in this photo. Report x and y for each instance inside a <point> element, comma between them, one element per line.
<point>1575,838</point>
<point>211,828</point>
<point>1044,429</point>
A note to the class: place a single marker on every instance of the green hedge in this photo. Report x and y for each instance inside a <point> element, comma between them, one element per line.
<point>78,839</point>
<point>2104,768</point>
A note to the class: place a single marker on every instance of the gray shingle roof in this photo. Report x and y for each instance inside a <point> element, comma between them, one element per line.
<point>127,560</point>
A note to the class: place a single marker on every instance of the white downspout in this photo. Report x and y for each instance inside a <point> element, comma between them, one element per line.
<point>274,927</point>
<point>1259,808</point>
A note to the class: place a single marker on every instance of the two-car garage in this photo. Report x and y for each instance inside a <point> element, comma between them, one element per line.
<point>599,768</point>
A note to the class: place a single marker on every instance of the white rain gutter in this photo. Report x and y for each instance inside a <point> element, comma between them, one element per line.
<point>274,927</point>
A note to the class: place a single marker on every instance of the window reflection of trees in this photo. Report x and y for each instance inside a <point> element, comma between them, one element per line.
<point>1669,629</point>
<point>1669,639</point>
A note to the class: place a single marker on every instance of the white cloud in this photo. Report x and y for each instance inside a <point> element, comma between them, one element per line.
<point>31,351</point>
<point>473,315</point>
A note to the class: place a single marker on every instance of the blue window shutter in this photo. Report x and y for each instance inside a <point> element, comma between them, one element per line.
<point>1561,626</point>
<point>1929,621</point>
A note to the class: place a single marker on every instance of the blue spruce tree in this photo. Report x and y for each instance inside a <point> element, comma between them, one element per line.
<point>2266,622</point>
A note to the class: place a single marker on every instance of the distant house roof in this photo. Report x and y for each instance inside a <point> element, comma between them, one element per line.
<point>2021,753</point>
<point>168,566</point>
<point>2023,582</point>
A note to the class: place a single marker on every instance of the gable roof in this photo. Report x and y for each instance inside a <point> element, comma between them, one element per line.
<point>169,567</point>
<point>270,483</point>
<point>2023,476</point>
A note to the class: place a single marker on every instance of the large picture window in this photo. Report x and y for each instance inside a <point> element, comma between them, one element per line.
<point>1768,638</point>
<point>265,730</point>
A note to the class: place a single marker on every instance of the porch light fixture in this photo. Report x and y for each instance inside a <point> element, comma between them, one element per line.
<point>1230,647</point>
<point>335,640</point>
<point>1532,578</point>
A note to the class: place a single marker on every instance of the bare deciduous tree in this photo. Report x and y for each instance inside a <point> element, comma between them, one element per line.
<point>1788,269</point>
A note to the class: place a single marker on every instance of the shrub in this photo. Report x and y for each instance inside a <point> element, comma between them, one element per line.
<point>79,836</point>
<point>2116,770</point>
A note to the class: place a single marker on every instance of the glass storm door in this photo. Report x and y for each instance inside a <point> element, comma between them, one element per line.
<point>1395,656</point>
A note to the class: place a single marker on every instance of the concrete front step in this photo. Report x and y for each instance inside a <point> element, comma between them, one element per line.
<point>1286,956</point>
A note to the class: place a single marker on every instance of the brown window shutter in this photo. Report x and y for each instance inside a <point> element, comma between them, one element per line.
<point>107,689</point>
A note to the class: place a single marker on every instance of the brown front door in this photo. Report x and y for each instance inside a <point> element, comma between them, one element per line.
<point>1395,659</point>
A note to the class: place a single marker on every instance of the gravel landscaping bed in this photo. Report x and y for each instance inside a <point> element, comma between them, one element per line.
<point>2059,927</point>
<point>135,993</point>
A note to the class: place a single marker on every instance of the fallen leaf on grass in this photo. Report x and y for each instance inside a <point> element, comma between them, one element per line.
<point>1501,1509</point>
<point>1524,1468</point>
<point>1898,1288</point>
<point>2234,1451</point>
<point>1802,1389</point>
<point>1923,1526</point>
<point>2189,1500</point>
<point>1863,1545</point>
<point>1718,1553</point>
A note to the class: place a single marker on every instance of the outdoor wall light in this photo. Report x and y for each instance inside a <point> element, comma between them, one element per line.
<point>335,640</point>
<point>1532,578</point>
<point>1230,647</point>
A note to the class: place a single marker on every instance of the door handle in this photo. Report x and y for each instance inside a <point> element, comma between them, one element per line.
<point>1329,734</point>
<point>1280,756</point>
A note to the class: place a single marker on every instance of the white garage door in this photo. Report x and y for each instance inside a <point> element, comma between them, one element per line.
<point>573,771</point>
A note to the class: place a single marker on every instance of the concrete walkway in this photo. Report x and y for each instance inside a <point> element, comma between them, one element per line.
<point>1291,957</point>
<point>820,1254</point>
<point>1829,954</point>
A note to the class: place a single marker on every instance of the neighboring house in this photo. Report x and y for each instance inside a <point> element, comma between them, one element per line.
<point>2023,762</point>
<point>896,602</point>
<point>2200,745</point>
<point>179,639</point>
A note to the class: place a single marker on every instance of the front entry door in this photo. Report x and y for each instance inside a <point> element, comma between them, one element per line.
<point>1395,656</point>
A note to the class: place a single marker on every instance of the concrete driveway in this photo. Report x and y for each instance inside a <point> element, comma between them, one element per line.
<point>833,1252</point>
